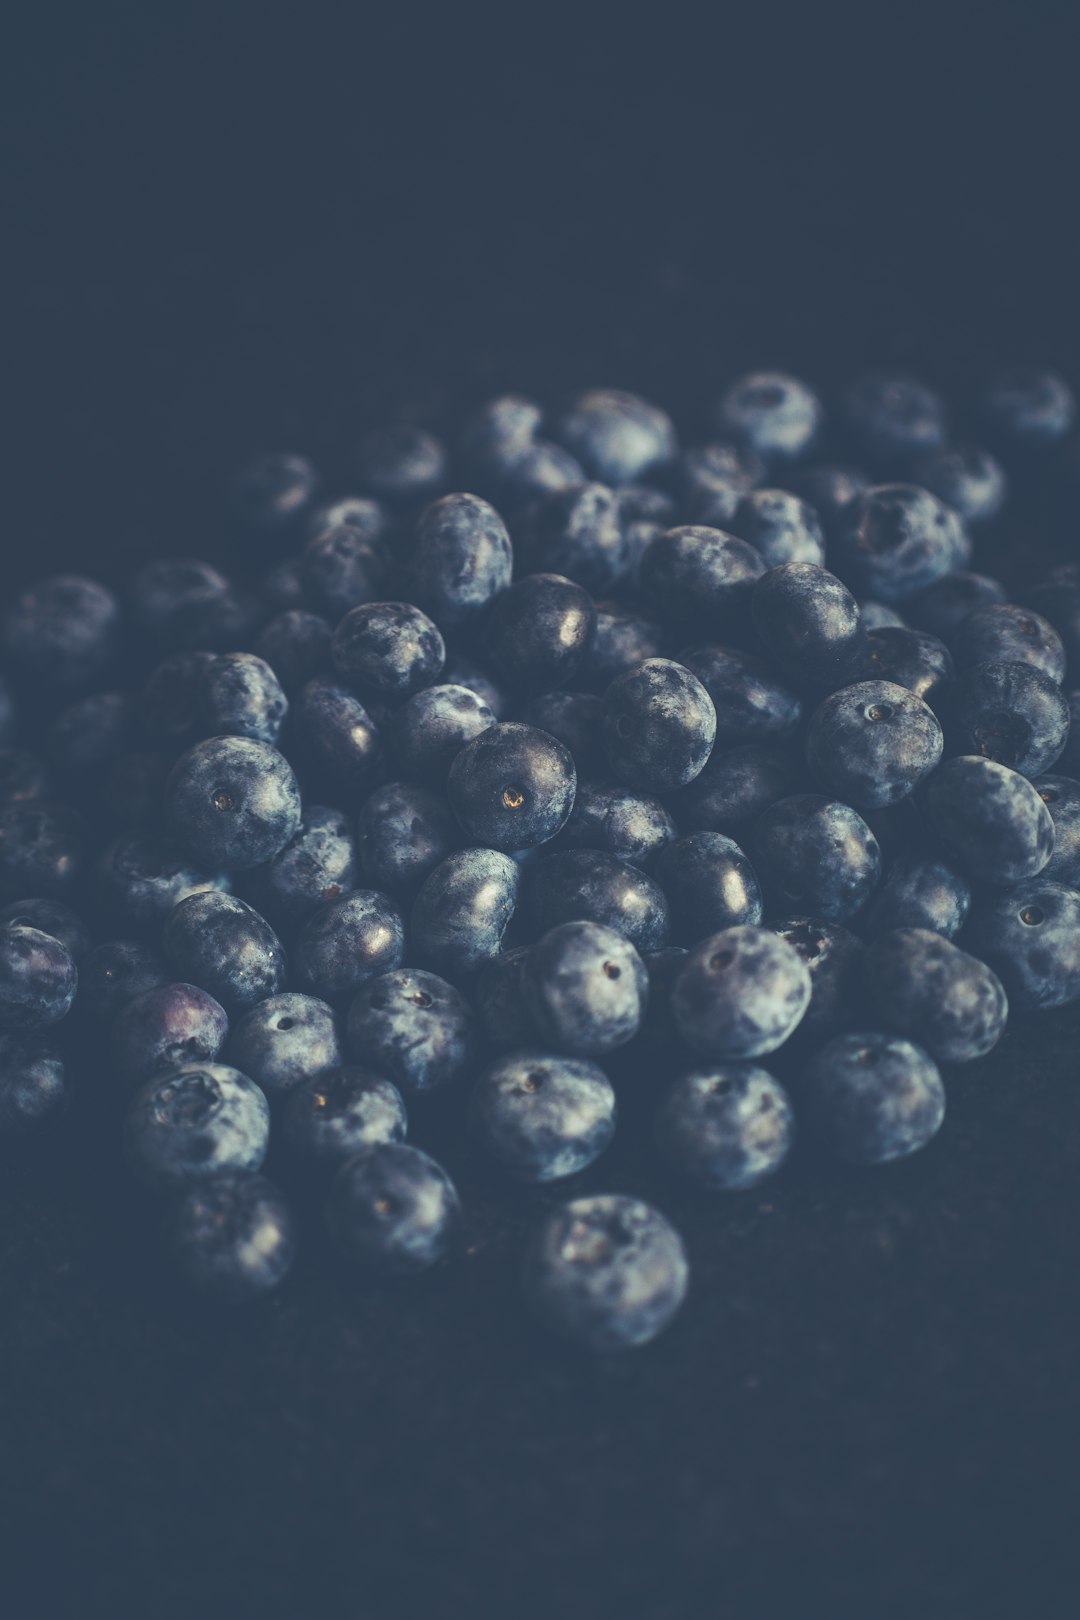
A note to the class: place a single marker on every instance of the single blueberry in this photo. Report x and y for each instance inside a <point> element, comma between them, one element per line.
<point>816,852</point>
<point>735,787</point>
<point>413,1027</point>
<point>392,1209</point>
<point>387,650</point>
<point>60,633</point>
<point>576,533</point>
<point>709,885</point>
<point>990,819</point>
<point>700,578</point>
<point>539,1117</point>
<point>781,527</point>
<point>897,539</point>
<point>892,418</point>
<point>38,978</point>
<point>240,696</point>
<point>873,743</point>
<point>710,480</point>
<point>740,993</point>
<point>753,702</point>
<point>923,986</point>
<point>319,863</point>
<point>233,1238</point>
<point>919,891</point>
<point>585,988</point>
<point>35,1085</point>
<point>539,632</point>
<point>224,946</point>
<point>807,619</point>
<point>346,942</point>
<point>618,437</point>
<point>402,834</point>
<point>498,995</point>
<point>195,1122</point>
<point>344,565</point>
<point>967,478</point>
<point>402,465</point>
<point>272,492</point>
<point>1027,409</point>
<point>873,1097</point>
<point>462,558</point>
<point>631,826</point>
<point>334,735</point>
<point>166,1027</point>
<point>588,885</point>
<point>910,658</point>
<point>774,415</point>
<point>463,910</point>
<point>1001,632</point>
<point>284,1040</point>
<point>829,489</point>
<point>625,636</point>
<point>463,671</point>
<point>330,1116</point>
<point>726,1127</point>
<point>1030,936</point>
<point>49,917</point>
<point>434,725</point>
<point>1009,712</point>
<point>512,787</point>
<point>296,646</point>
<point>659,726</point>
<point>112,973</point>
<point>233,801</point>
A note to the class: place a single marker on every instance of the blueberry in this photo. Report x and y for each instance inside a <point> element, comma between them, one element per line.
<point>807,619</point>
<point>540,631</point>
<point>618,437</point>
<point>921,984</point>
<point>171,699</point>
<point>195,1122</point>
<point>700,578</point>
<point>1056,598</point>
<point>403,833</point>
<point>499,998</point>
<point>140,876</point>
<point>504,427</point>
<point>709,885</point>
<point>588,885</point>
<point>753,703</point>
<point>182,603</point>
<point>166,1027</point>
<point>943,606</point>
<point>335,1114</point>
<point>725,1127</point>
<point>35,1085</point>
<point>873,1097</point>
<point>710,481</point>
<point>819,854</point>
<point>1027,409</point>
<point>659,726</point>
<point>89,734</point>
<point>873,743</point>
<point>434,725</point>
<point>990,819</point>
<point>272,492</point>
<point>393,1209</point>
<point>631,826</point>
<point>224,946</point>
<point>577,533</point>
<point>413,1027</point>
<point>336,736</point>
<point>233,1238</point>
<point>1002,633</point>
<point>776,416</point>
<point>359,512</point>
<point>42,849</point>
<point>740,993</point>
<point>781,527</point>
<point>512,787</point>
<point>112,973</point>
<point>463,909</point>
<point>343,565</point>
<point>919,891</point>
<point>387,650</point>
<point>515,478</point>
<point>463,671</point>
<point>833,957</point>
<point>240,696</point>
<point>318,863</point>
<point>1030,936</point>
<point>624,637</point>
<point>233,801</point>
<point>585,987</point>
<point>539,1117</point>
<point>828,488</point>
<point>607,1272</point>
<point>462,558</point>
<point>402,465</point>
<point>346,942</point>
<point>1008,712</point>
<point>38,978</point>
<point>735,787</point>
<point>60,633</point>
<point>24,777</point>
<point>49,917</point>
<point>967,478</point>
<point>1061,796</point>
<point>892,418</point>
<point>910,658</point>
<point>896,540</point>
<point>576,719</point>
<point>296,646</point>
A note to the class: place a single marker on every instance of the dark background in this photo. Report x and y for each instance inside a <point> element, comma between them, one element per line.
<point>228,229</point>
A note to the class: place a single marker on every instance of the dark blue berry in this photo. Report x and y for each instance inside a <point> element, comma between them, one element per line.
<point>387,650</point>
<point>833,957</point>
<point>140,876</point>
<point>819,854</point>
<point>990,819</point>
<point>897,539</point>
<point>753,703</point>
<point>807,619</point>
<point>1061,796</point>
<point>318,863</point>
<point>463,671</point>
<point>49,917</point>
<point>588,885</point>
<point>403,832</point>
<point>923,986</point>
<point>272,493</point>
<point>413,1027</point>
<point>735,787</point>
<point>967,478</point>
<point>617,437</point>
<point>60,633</point>
<point>330,1116</point>
<point>726,1127</point>
<point>873,743</point>
<point>892,418</point>
<point>392,1209</point>
<point>38,978</point>
<point>943,606</point>
<point>499,998</point>
<point>194,1123</point>
<point>284,1040</point>
<point>577,533</point>
<point>233,801</point>
<point>240,696</point>
<point>434,725</point>
<point>919,891</point>
<point>710,481</point>
<point>402,465</point>
<point>113,973</point>
<point>462,558</point>
<point>740,993</point>
<point>540,631</point>
<point>165,1027</point>
<point>1030,936</point>
<point>233,1238</point>
<point>335,735</point>
<point>774,415</point>
<point>345,564</point>
<point>223,945</point>
<point>780,526</point>
<point>1009,712</point>
<point>1026,409</point>
<point>628,825</point>
<point>512,787</point>
<point>42,849</point>
<point>171,699</point>
<point>1056,598</point>
<point>911,658</point>
<point>659,726</point>
<point>624,637</point>
<point>35,1085</point>
<point>463,910</point>
<point>576,719</point>
<point>347,941</point>
<point>296,646</point>
<point>585,987</point>
<point>1003,633</point>
<point>700,578</point>
<point>828,488</point>
<point>873,1097</point>
<point>539,1117</point>
<point>709,885</point>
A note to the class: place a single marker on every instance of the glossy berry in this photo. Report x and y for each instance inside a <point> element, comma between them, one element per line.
<point>910,658</point>
<point>781,527</point>
<point>392,1209</point>
<point>165,1027</point>
<point>402,834</point>
<point>924,987</point>
<point>432,727</point>
<point>872,1097</point>
<point>585,988</point>
<point>1030,935</point>
<point>588,885</point>
<point>736,786</point>
<point>223,945</point>
<point>462,911</point>
<point>387,650</point>
<point>700,578</point>
<point>607,1273</point>
<point>273,491</point>
<point>740,993</point>
<point>577,533</point>
<point>833,957</point>
<point>897,539</point>
<point>818,853</point>
<point>60,633</point>
<point>539,1117</point>
<point>725,1127</point>
<point>413,1027</point>
<point>284,1040</point>
<point>990,819</point>
<point>233,1238</point>
<point>512,787</point>
<point>709,884</point>
<point>336,737</point>
<point>462,558</point>
<point>807,619</point>
<point>319,863</point>
<point>892,418</point>
<point>919,891</point>
<point>618,437</point>
<point>774,415</point>
<point>38,979</point>
<point>233,801</point>
<point>35,1086</point>
<point>240,696</point>
<point>1009,712</point>
<point>194,1123</point>
<point>1001,632</point>
<point>659,726</point>
<point>873,743</point>
<point>346,942</point>
<point>540,631</point>
<point>330,1116</point>
<point>753,702</point>
<point>401,465</point>
<point>631,826</point>
<point>113,973</point>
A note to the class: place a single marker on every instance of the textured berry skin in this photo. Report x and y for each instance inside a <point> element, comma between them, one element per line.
<point>990,819</point>
<point>585,987</point>
<point>617,437</point>
<point>624,637</point>
<point>432,727</point>
<point>345,563</point>
<point>240,696</point>
<point>1028,410</point>
<point>873,1097</point>
<point>402,834</point>
<point>112,973</point>
<point>462,558</point>
<point>735,787</point>
<point>462,911</point>
<point>413,1027</point>
<point>659,726</point>
<point>818,853</point>
<point>631,826</point>
<point>753,703</point>
<point>319,863</point>
<point>541,1117</point>
<point>924,987</point>
<point>1001,632</point>
<point>873,743</point>
<point>499,998</point>
<point>140,876</point>
<point>710,480</point>
<point>1009,712</point>
<point>833,957</point>
<point>387,650</point>
<point>725,1127</point>
<point>780,526</point>
<point>512,787</point>
<point>296,646</point>
<point>35,1086</point>
<point>587,885</point>
<point>42,849</point>
<point>911,658</point>
<point>774,415</point>
<point>38,979</point>
<point>272,492</point>
<point>360,512</point>
<point>607,1273</point>
<point>392,1209</point>
<point>709,885</point>
<point>463,671</point>
<point>60,633</point>
<point>193,1123</point>
<point>892,418</point>
<point>539,632</point>
<point>1030,936</point>
<point>1061,796</point>
<point>402,465</point>
<point>223,945</point>
<point>919,891</point>
<point>283,1041</point>
<point>701,578</point>
<point>945,605</point>
<point>740,993</point>
<point>576,719</point>
<point>166,1027</point>
<point>331,1116</point>
<point>336,735</point>
<point>807,619</point>
<point>233,1238</point>
<point>49,917</point>
<point>897,539</point>
<point>233,801</point>
<point>346,942</point>
<point>965,477</point>
<point>577,533</point>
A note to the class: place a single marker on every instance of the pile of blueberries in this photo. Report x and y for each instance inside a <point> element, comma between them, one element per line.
<point>679,769</point>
